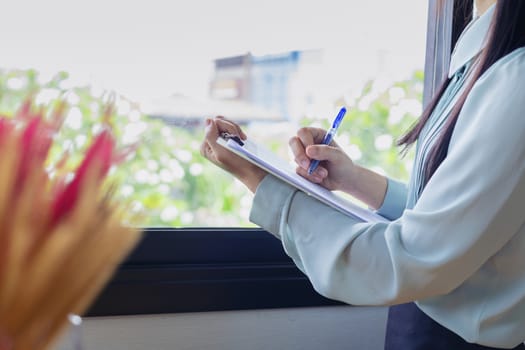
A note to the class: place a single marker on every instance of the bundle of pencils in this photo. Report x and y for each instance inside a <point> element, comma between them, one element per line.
<point>61,238</point>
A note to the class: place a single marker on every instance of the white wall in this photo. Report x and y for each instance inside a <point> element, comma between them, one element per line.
<point>330,328</point>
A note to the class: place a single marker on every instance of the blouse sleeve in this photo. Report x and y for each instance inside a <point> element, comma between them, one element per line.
<point>395,200</point>
<point>471,207</point>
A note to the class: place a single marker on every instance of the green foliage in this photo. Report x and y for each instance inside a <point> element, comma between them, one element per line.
<point>167,179</point>
<point>375,119</point>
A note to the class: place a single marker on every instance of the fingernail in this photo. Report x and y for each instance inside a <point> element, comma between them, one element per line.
<point>322,172</point>
<point>208,121</point>
<point>305,163</point>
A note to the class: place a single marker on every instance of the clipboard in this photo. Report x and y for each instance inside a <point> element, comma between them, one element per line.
<point>269,161</point>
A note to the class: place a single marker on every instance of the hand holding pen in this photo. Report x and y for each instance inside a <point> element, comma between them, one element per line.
<point>328,137</point>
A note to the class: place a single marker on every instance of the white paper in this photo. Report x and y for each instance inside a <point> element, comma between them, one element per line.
<point>267,160</point>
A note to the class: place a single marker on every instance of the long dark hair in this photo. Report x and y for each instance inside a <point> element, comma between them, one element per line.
<point>506,33</point>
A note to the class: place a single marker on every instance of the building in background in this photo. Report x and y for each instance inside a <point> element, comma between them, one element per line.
<point>245,88</point>
<point>286,86</point>
<point>265,81</point>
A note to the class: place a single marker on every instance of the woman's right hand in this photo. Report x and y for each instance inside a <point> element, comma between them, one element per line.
<point>336,170</point>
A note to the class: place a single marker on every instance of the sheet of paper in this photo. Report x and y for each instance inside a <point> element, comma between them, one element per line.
<point>269,161</point>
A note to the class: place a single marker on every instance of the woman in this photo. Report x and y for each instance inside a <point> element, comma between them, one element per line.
<point>452,260</point>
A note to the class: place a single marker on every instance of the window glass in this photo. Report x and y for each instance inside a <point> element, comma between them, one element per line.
<point>271,66</point>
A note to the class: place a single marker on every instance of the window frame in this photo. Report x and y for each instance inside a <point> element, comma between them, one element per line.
<point>211,269</point>
<point>205,269</point>
<point>446,20</point>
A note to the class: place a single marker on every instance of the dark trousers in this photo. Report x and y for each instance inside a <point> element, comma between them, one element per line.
<point>409,328</point>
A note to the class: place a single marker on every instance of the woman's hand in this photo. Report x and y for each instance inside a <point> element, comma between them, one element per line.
<point>336,169</point>
<point>245,171</point>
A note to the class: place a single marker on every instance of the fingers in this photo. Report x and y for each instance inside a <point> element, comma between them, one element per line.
<point>206,150</point>
<point>209,147</point>
<point>305,137</point>
<point>210,138</point>
<point>317,176</point>
<point>229,126</point>
<point>311,136</point>
<point>298,150</point>
<point>323,152</point>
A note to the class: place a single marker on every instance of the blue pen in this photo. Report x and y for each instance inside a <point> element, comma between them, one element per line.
<point>328,137</point>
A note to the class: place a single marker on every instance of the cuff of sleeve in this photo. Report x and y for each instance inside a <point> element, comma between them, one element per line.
<point>395,200</point>
<point>270,198</point>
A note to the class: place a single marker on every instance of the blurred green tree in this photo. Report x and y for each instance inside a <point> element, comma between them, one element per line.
<point>167,179</point>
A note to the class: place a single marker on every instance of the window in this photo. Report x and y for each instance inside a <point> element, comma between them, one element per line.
<point>271,66</point>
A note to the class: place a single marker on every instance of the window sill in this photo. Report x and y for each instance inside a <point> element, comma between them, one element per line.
<point>191,270</point>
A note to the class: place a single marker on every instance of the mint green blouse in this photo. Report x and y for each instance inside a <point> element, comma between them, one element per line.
<point>459,252</point>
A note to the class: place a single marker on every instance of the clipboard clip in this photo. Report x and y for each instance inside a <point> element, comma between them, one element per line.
<point>228,136</point>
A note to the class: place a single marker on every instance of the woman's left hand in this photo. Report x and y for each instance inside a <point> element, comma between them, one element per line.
<point>245,171</point>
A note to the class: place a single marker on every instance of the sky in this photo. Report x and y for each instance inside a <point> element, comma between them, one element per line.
<point>154,48</point>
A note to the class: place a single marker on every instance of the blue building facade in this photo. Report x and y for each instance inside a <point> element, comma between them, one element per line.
<point>263,81</point>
